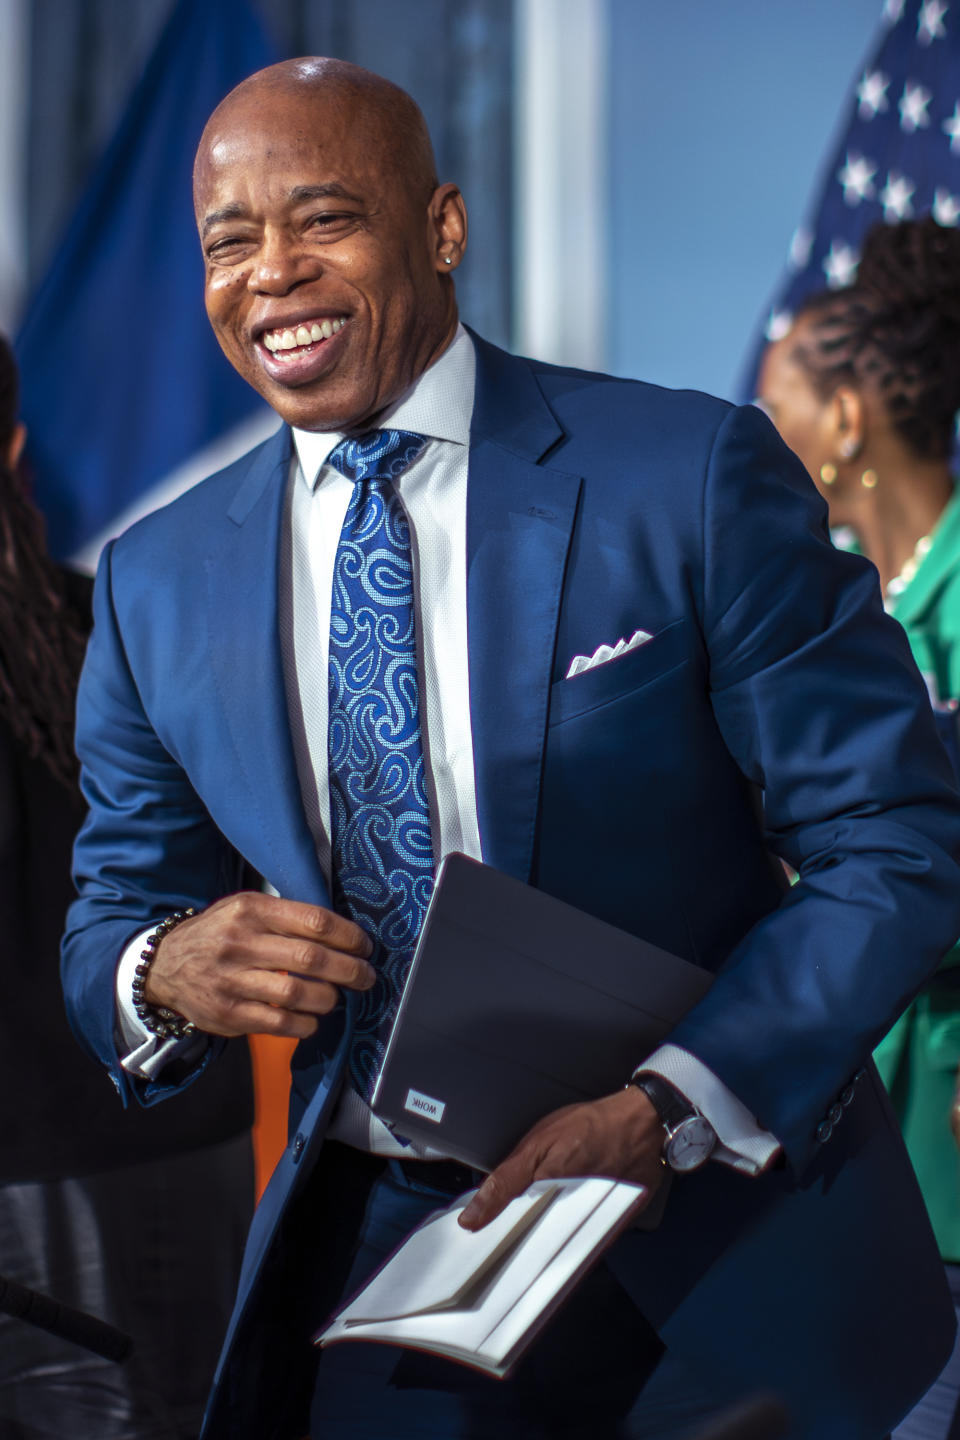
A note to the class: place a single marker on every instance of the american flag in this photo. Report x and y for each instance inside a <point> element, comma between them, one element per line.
<point>898,155</point>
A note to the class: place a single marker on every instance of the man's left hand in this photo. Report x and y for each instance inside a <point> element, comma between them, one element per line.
<point>620,1136</point>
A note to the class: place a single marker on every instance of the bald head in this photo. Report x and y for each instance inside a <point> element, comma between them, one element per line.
<point>387,119</point>
<point>329,246</point>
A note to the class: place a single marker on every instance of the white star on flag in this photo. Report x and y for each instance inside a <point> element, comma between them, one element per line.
<point>895,197</point>
<point>930,24</point>
<point>872,94</point>
<point>897,157</point>
<point>856,177</point>
<point>913,107</point>
<point>946,207</point>
<point>840,266</point>
<point>800,247</point>
<point>778,325</point>
<point>951,127</point>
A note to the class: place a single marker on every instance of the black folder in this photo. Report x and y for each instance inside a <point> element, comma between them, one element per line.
<point>517,1003</point>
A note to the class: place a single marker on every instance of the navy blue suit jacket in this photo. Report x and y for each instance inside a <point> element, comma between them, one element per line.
<point>776,711</point>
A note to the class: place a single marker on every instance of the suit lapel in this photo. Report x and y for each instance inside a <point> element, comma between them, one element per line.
<point>520,517</point>
<point>242,595</point>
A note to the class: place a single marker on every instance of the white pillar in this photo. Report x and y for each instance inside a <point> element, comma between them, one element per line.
<point>561,201</point>
<point>14,73</point>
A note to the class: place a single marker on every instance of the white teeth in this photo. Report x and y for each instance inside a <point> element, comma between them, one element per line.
<point>280,340</point>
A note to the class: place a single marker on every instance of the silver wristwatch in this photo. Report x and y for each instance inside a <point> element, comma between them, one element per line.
<point>689,1138</point>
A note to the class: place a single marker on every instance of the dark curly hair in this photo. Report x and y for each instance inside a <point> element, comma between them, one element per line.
<point>42,637</point>
<point>895,330</point>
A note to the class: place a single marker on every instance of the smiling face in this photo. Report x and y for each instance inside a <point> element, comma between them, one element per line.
<point>325,242</point>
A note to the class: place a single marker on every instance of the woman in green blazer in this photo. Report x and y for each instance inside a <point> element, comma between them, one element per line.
<point>919,1058</point>
<point>865,388</point>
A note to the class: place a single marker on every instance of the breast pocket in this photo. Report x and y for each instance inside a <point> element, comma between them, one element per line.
<point>617,678</point>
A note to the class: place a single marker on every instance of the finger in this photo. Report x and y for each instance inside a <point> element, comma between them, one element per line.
<point>524,1164</point>
<point>286,991</point>
<point>323,927</point>
<point>252,1018</point>
<point>312,961</point>
<point>251,912</point>
<point>500,1187</point>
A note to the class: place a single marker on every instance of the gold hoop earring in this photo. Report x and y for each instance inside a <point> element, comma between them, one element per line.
<point>828,473</point>
<point>869,479</point>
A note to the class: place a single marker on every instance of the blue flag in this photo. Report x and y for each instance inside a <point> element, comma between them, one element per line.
<point>898,155</point>
<point>123,382</point>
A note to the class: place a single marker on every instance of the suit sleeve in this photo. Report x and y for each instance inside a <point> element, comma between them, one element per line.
<point>821,705</point>
<point>147,847</point>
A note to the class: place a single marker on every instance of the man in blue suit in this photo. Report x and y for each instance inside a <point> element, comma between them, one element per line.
<point>635,674</point>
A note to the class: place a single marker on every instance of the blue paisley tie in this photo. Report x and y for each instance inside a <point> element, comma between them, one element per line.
<point>379,819</point>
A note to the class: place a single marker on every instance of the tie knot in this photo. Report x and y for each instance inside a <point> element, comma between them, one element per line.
<point>378,455</point>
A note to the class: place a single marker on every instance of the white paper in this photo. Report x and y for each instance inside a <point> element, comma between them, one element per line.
<point>475,1295</point>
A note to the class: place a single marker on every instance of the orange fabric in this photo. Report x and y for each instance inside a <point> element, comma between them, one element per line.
<point>270,1055</point>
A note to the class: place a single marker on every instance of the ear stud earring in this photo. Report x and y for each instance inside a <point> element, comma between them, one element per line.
<point>869,479</point>
<point>447,260</point>
<point>828,473</point>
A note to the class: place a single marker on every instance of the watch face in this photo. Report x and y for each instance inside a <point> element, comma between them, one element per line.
<point>690,1144</point>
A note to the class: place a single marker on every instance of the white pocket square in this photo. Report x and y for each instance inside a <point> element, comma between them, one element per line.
<point>604,653</point>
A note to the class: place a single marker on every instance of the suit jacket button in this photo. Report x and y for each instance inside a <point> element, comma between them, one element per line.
<point>835,1113</point>
<point>846,1096</point>
<point>824,1131</point>
<point>299,1141</point>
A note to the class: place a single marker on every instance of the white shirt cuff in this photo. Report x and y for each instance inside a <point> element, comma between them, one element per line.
<point>740,1141</point>
<point>142,1053</point>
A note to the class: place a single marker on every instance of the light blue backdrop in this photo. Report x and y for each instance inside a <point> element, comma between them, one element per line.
<point>721,114</point>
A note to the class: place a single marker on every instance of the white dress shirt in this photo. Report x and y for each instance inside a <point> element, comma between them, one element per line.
<point>433,491</point>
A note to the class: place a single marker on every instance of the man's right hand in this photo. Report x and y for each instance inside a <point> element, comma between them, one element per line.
<point>256,964</point>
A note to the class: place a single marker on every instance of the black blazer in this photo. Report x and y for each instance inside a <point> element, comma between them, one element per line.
<point>59,1113</point>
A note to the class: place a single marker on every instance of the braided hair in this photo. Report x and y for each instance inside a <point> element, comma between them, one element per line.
<point>42,638</point>
<point>896,330</point>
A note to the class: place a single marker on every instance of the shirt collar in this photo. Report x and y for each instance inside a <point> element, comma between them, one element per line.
<point>439,405</point>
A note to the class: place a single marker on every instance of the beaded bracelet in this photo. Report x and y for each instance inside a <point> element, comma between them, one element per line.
<point>164,1023</point>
